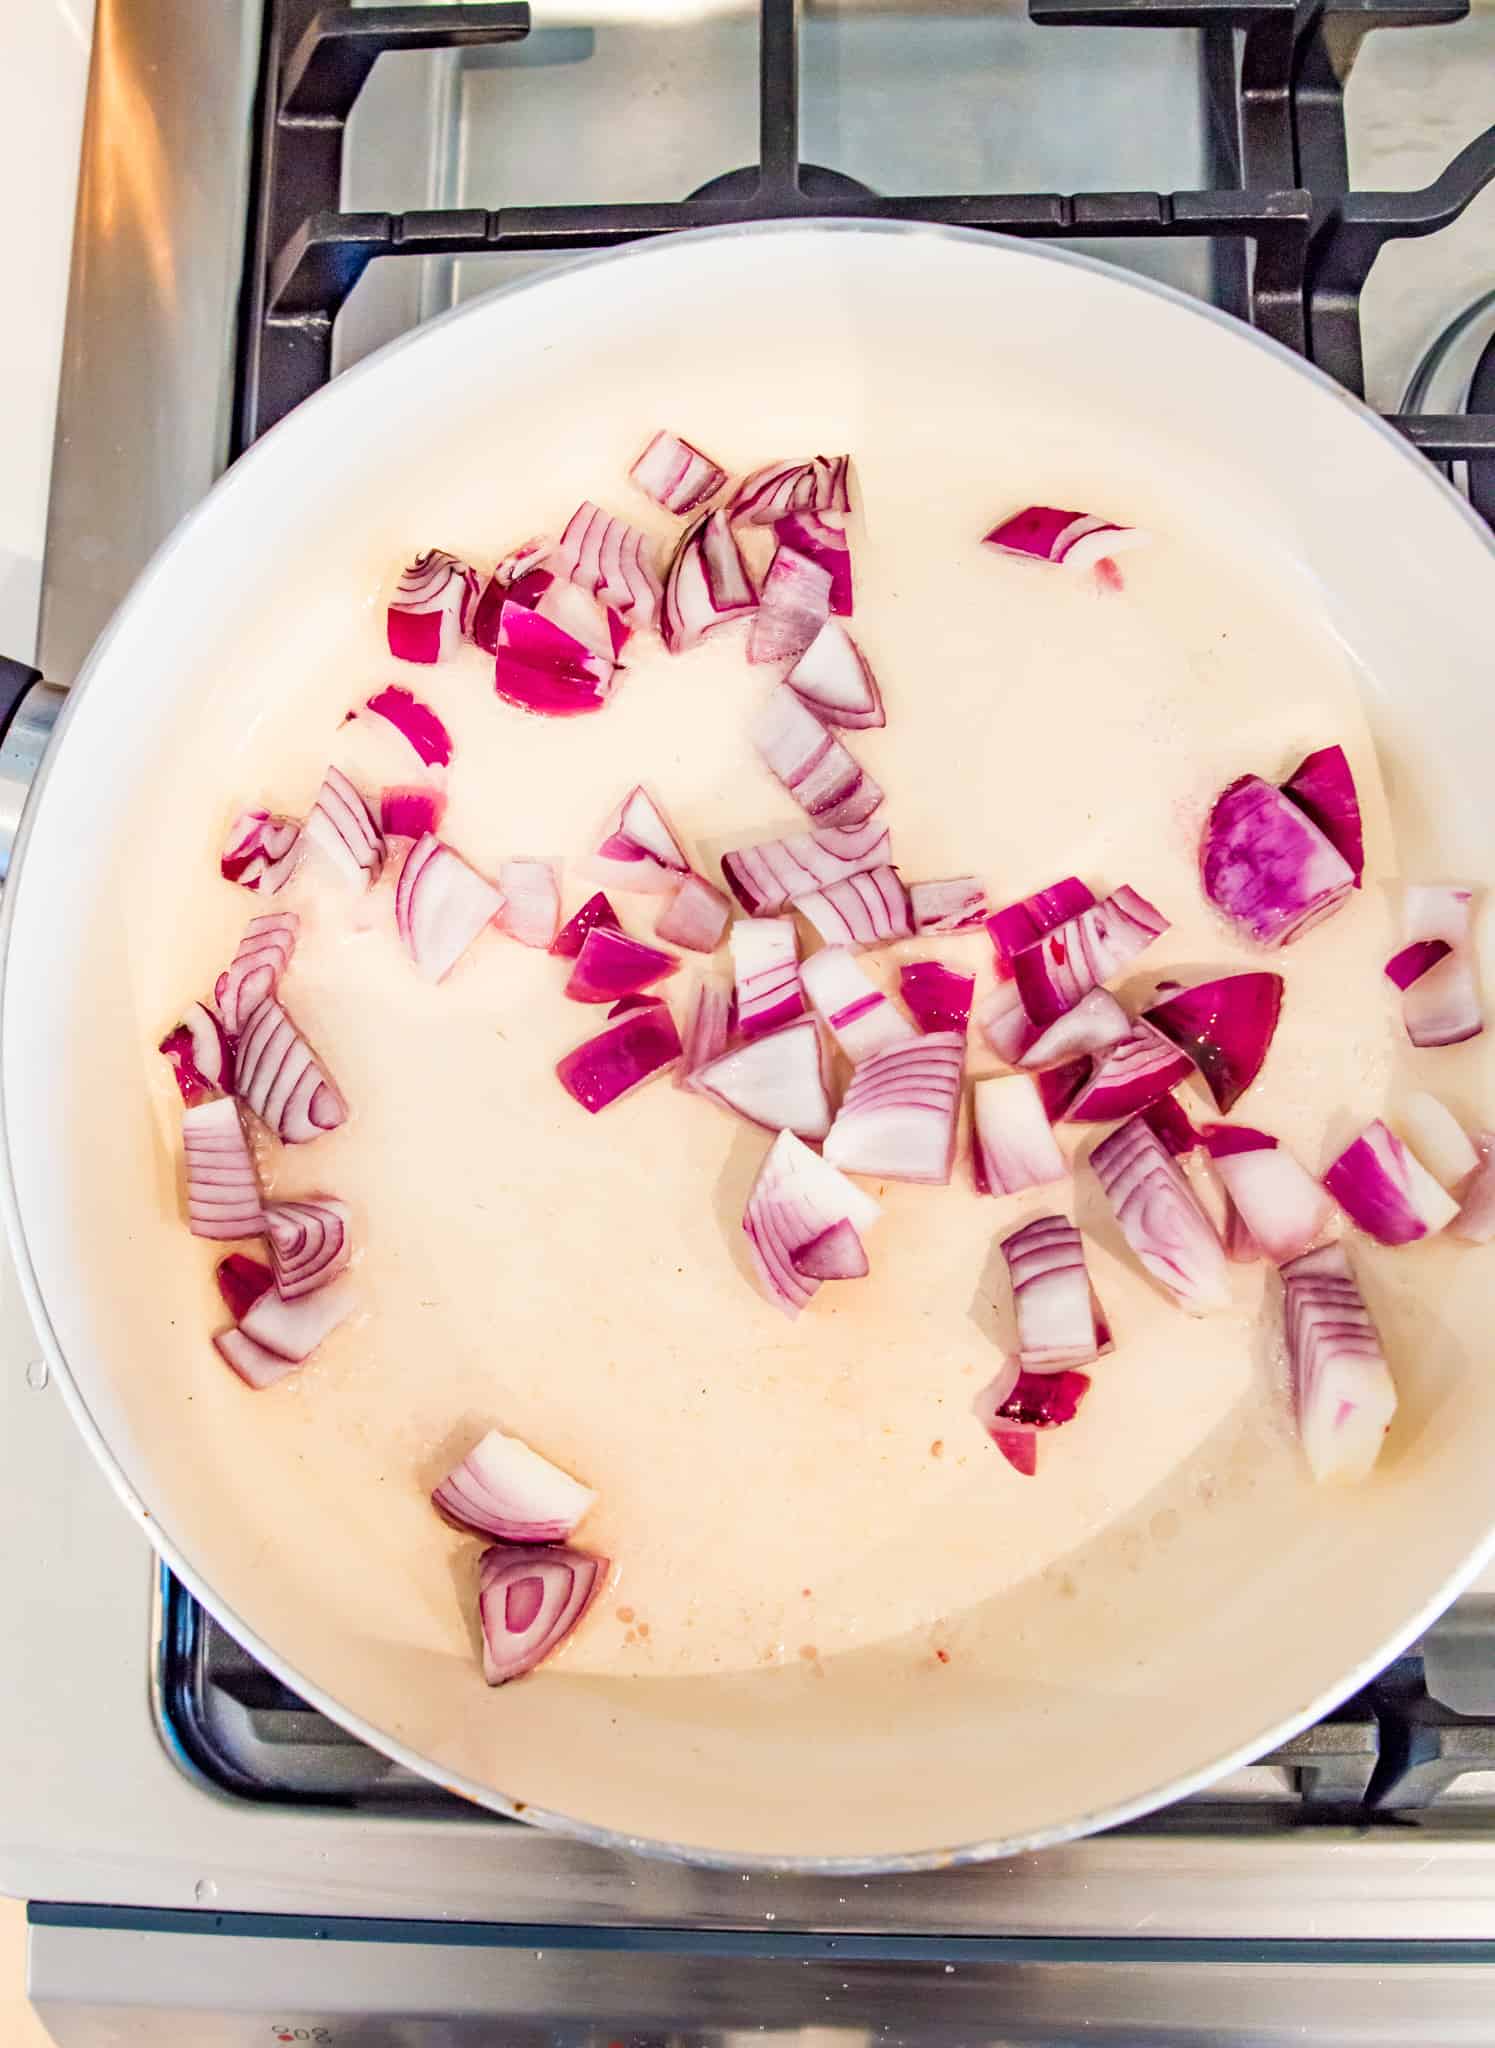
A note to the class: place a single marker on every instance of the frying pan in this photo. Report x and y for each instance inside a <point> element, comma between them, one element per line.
<point>1131,1622</point>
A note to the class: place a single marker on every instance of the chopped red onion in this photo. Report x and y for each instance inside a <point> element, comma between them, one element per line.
<point>1267,867</point>
<point>502,1488</point>
<point>938,996</point>
<point>897,1121</point>
<point>596,911</point>
<point>1241,1248</point>
<point>257,1367</point>
<point>342,826</point>
<point>707,584</point>
<point>441,904</point>
<point>813,766</point>
<point>411,811</point>
<point>775,872</point>
<point>1160,1217</point>
<point>529,1601</point>
<point>610,964</point>
<point>1130,1076</point>
<point>837,1254</point>
<point>1439,1140</point>
<point>858,1016</point>
<point>1343,1396</point>
<point>1072,540</point>
<point>414,721</point>
<point>532,902</point>
<point>1094,1025</point>
<point>281,1079</point>
<point>833,678</point>
<point>310,1243</point>
<point>262,851</point>
<point>1168,1119</point>
<point>770,494</point>
<point>1384,1188</point>
<point>432,607</point>
<point>1225,1027</point>
<point>521,575</point>
<point>254,972</point>
<point>541,667</point>
<point>1051,1295</point>
<point>1012,1145</point>
<point>794,604</point>
<point>1281,1207</point>
<point>201,1057</point>
<point>822,541</point>
<point>954,906</point>
<point>241,1282</point>
<point>796,1199</point>
<point>676,475</point>
<point>620,1059</point>
<point>1475,1222</point>
<point>294,1329</point>
<point>765,966</point>
<point>777,1080</point>
<point>609,559</point>
<point>638,850</point>
<point>1324,789</point>
<point>1058,1086</point>
<point>867,909</point>
<point>223,1191</point>
<point>1414,961</point>
<point>1442,1006</point>
<point>1024,924</point>
<point>1017,1406</point>
<point>695,917</point>
<point>708,1028</point>
<point>1005,1025</point>
<point>1077,956</point>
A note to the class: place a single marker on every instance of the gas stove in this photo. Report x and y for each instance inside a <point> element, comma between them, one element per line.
<point>266,196</point>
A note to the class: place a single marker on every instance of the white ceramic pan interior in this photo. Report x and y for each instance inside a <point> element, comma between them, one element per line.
<point>981,1662</point>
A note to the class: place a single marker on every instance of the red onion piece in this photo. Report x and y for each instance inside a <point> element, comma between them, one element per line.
<point>1051,1295</point>
<point>280,1078</point>
<point>1438,1139</point>
<point>837,1254</point>
<point>202,1060</point>
<point>1443,1006</point>
<point>310,1241</point>
<point>1168,1119</point>
<point>223,1190</point>
<point>867,909</point>
<point>707,584</point>
<point>695,918</point>
<point>241,1282</point>
<point>502,1488</point>
<point>1005,1025</point>
<point>813,766</point>
<point>1475,1222</point>
<point>261,852</point>
<point>708,1028</point>
<point>256,1367</point>
<point>1024,924</point>
<point>766,877</point>
<point>938,996</point>
<point>638,849</point>
<point>822,541</point>
<point>796,1199</point>
<point>770,494</point>
<point>958,905</point>
<point>432,607</point>
<point>1058,1086</point>
<point>1018,1405</point>
<point>858,1016</point>
<point>1160,1217</point>
<point>1324,789</point>
<point>520,575</point>
<point>529,1601</point>
<point>411,811</point>
<point>1087,950</point>
<point>294,1329</point>
<point>898,1119</point>
<point>833,678</point>
<point>415,721</point>
<point>777,1080</point>
<point>1384,1188</point>
<point>1414,961</point>
<point>1267,867</point>
<point>342,826</point>
<point>1130,1076</point>
<point>609,559</point>
<point>676,475</point>
<point>541,667</point>
<point>1072,540</point>
<point>263,955</point>
<point>1343,1396</point>
<point>794,604</point>
<point>610,964</point>
<point>1012,1146</point>
<point>441,904</point>
<point>1226,1028</point>
<point>596,911</point>
<point>765,967</point>
<point>532,902</point>
<point>620,1059</point>
<point>1279,1203</point>
<point>1094,1025</point>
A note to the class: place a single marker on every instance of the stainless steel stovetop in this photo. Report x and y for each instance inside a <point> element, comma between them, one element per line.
<point>210,1862</point>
